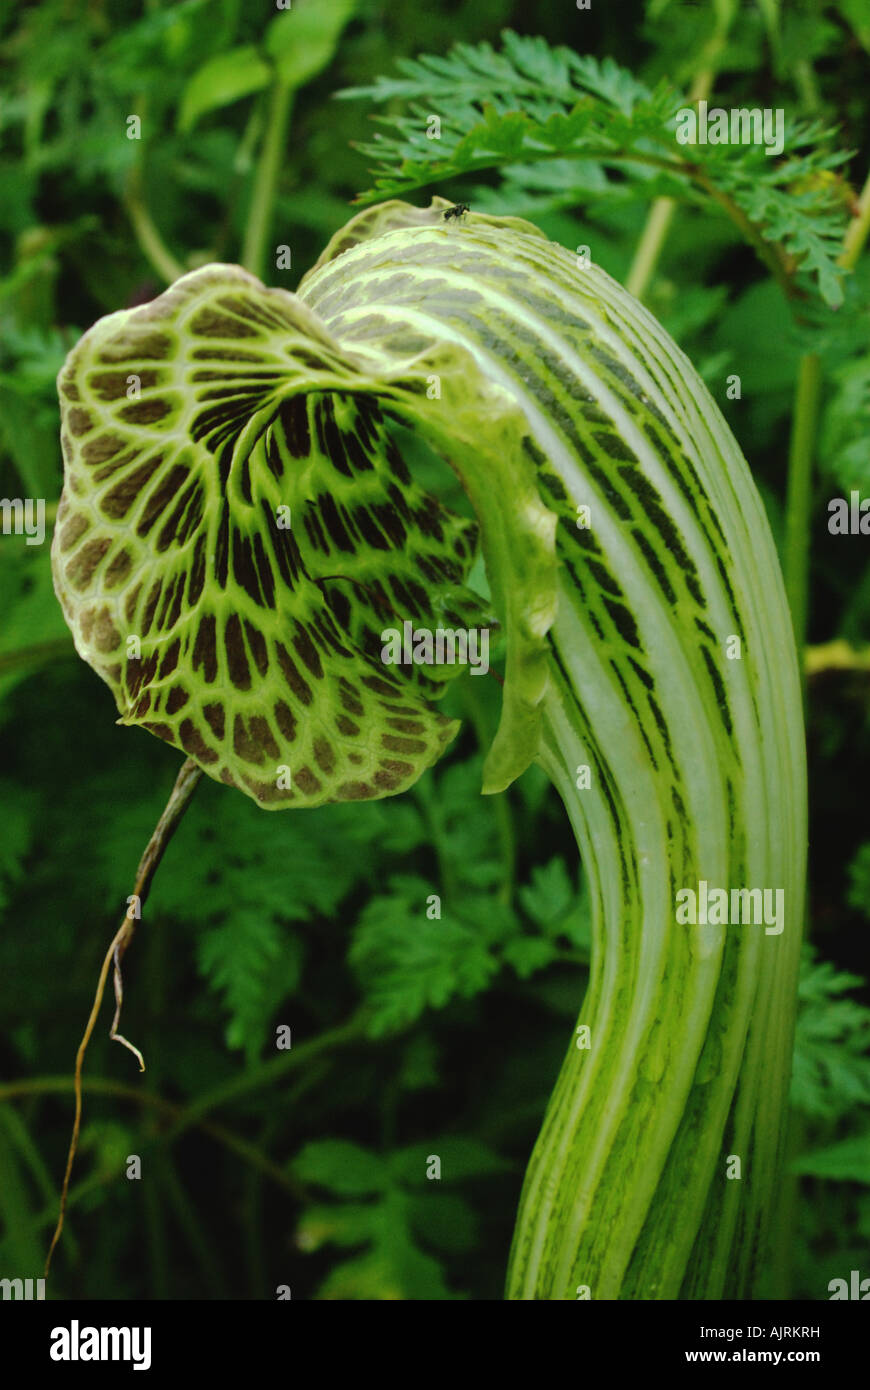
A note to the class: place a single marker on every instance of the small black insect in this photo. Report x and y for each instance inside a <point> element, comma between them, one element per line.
<point>458,210</point>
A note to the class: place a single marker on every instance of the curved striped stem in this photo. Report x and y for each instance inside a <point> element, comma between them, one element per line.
<point>647,636</point>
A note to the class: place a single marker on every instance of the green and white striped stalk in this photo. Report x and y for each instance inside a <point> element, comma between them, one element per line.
<point>652,646</point>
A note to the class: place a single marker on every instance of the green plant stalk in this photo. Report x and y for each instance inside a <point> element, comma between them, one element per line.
<point>649,641</point>
<point>266,179</point>
<point>151,243</point>
<point>857,231</point>
<point>61,1085</point>
<point>805,421</point>
<point>658,223</point>
<point>650,246</point>
<point>798,505</point>
<point>627,1194</point>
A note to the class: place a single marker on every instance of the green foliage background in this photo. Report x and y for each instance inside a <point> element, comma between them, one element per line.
<point>410,1037</point>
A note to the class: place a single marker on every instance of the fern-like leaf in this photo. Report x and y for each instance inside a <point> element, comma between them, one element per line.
<point>530,103</point>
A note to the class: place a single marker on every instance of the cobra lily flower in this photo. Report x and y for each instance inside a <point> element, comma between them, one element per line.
<point>238,524</point>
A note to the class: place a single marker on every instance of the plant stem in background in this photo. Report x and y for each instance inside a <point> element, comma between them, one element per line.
<point>502,806</point>
<point>649,249</point>
<point>799,491</point>
<point>266,179</point>
<point>179,798</point>
<point>35,656</point>
<point>661,213</point>
<point>858,230</point>
<point>805,421</point>
<point>151,243</point>
<point>262,1077</point>
<point>835,656</point>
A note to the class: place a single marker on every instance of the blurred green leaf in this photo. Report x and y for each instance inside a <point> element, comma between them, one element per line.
<point>528,954</point>
<point>461,1157</point>
<point>303,39</point>
<point>33,631</point>
<point>848,1161</point>
<point>341,1167</point>
<point>859,881</point>
<point>443,1220</point>
<point>222,80</point>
